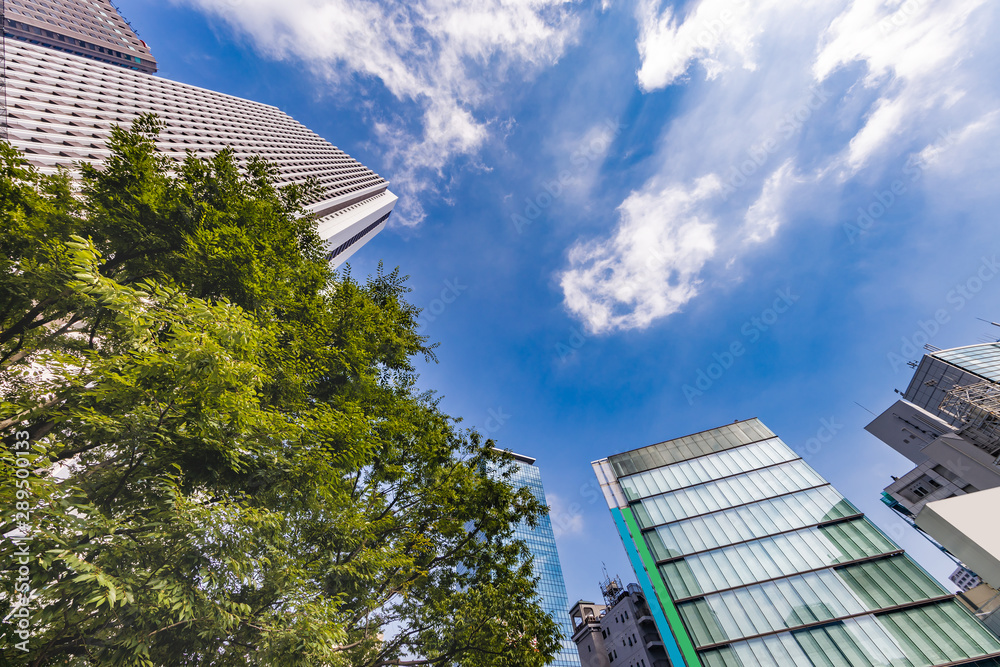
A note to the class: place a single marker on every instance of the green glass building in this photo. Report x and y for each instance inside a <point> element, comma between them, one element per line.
<point>757,561</point>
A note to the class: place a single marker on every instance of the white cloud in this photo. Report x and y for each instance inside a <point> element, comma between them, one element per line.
<point>765,215</point>
<point>911,52</point>
<point>800,101</point>
<point>566,520</point>
<point>717,33</point>
<point>649,268</point>
<point>445,56</point>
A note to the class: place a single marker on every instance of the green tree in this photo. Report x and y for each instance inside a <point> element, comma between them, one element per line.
<point>230,462</point>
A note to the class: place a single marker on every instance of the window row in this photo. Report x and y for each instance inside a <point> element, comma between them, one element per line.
<point>774,557</point>
<point>749,522</point>
<point>808,598</point>
<point>688,447</point>
<point>929,635</point>
<point>706,468</point>
<point>725,493</point>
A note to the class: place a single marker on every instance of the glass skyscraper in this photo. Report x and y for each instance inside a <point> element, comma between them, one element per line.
<point>541,540</point>
<point>757,561</point>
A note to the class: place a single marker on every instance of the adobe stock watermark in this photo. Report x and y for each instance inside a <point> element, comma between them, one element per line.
<point>957,297</point>
<point>900,17</point>
<point>449,294</point>
<point>20,611</point>
<point>751,332</point>
<point>565,518</point>
<point>496,418</point>
<point>828,429</point>
<point>566,349</point>
<point>882,201</point>
<point>786,127</point>
<point>550,191</point>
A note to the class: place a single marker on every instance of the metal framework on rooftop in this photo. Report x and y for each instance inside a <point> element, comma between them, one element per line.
<point>977,408</point>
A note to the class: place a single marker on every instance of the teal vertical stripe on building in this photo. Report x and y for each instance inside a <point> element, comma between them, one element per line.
<point>673,650</point>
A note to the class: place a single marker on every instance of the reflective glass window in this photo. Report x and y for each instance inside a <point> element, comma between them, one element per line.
<point>707,468</point>
<point>730,492</point>
<point>749,522</point>
<point>773,557</point>
<point>809,598</point>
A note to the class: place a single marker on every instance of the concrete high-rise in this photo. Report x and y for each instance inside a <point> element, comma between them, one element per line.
<point>60,108</point>
<point>541,541</point>
<point>755,560</point>
<point>90,29</point>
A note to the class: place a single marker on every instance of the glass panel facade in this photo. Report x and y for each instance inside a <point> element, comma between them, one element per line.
<point>689,447</point>
<point>749,522</point>
<point>705,469</point>
<point>774,557</point>
<point>982,360</point>
<point>551,586</point>
<point>934,634</point>
<point>809,598</point>
<point>729,492</point>
<point>765,564</point>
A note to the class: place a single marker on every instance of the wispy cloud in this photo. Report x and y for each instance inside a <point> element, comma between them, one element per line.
<point>447,57</point>
<point>786,105</point>
<point>566,519</point>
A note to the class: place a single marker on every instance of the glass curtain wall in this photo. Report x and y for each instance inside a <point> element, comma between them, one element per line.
<point>541,541</point>
<point>757,561</point>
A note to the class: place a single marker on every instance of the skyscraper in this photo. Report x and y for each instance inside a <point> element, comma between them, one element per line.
<point>756,560</point>
<point>60,107</point>
<point>93,29</point>
<point>541,540</point>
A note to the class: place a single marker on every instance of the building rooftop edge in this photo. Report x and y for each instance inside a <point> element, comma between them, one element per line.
<point>517,457</point>
<point>687,435</point>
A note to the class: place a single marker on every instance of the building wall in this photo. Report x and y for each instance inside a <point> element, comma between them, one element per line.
<point>631,635</point>
<point>623,634</point>
<point>926,483</point>
<point>967,527</point>
<point>588,635</point>
<point>757,560</point>
<point>61,109</point>
<point>93,29</point>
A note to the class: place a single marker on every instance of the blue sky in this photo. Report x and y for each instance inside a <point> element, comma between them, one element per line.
<point>602,201</point>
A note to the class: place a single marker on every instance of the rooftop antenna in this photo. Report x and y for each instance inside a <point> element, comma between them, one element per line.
<point>988,322</point>
<point>864,408</point>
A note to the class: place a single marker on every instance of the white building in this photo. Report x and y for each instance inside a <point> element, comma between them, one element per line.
<point>948,425</point>
<point>60,108</point>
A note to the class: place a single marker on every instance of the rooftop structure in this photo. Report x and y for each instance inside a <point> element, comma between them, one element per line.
<point>755,560</point>
<point>89,28</point>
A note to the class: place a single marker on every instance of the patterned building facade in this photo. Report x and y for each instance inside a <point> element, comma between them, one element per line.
<point>60,108</point>
<point>87,28</point>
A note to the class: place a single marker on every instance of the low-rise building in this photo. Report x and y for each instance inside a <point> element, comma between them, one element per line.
<point>619,632</point>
